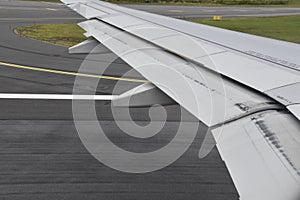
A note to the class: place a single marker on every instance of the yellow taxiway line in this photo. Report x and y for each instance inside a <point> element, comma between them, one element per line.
<point>52,9</point>
<point>71,73</point>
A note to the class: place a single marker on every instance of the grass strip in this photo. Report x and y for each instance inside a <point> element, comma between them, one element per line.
<point>62,34</point>
<point>283,28</point>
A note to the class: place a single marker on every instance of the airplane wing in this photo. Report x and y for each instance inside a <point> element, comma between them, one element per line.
<point>244,87</point>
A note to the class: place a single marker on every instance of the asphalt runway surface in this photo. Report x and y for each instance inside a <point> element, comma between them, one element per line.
<point>42,156</point>
<point>197,12</point>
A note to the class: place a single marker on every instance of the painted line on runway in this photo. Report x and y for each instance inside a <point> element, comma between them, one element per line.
<point>209,11</point>
<point>57,96</point>
<point>52,9</point>
<point>20,8</point>
<point>39,19</point>
<point>72,73</point>
<point>177,11</point>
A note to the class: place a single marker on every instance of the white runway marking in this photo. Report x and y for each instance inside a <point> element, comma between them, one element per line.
<point>177,11</point>
<point>52,9</point>
<point>56,96</point>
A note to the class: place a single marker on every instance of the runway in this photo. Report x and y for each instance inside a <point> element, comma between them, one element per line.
<point>197,12</point>
<point>42,156</point>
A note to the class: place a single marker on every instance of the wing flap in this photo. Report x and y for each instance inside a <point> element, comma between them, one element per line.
<point>262,155</point>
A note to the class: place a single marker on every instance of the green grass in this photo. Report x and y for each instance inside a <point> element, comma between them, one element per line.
<point>282,28</point>
<point>294,3</point>
<point>62,34</point>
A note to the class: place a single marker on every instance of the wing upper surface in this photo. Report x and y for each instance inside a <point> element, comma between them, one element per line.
<point>241,57</point>
<point>226,100</point>
<point>245,77</point>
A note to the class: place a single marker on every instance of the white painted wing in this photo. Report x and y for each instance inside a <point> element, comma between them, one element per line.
<point>242,86</point>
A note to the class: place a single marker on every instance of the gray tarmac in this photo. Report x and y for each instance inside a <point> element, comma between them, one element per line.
<point>200,12</point>
<point>42,156</point>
